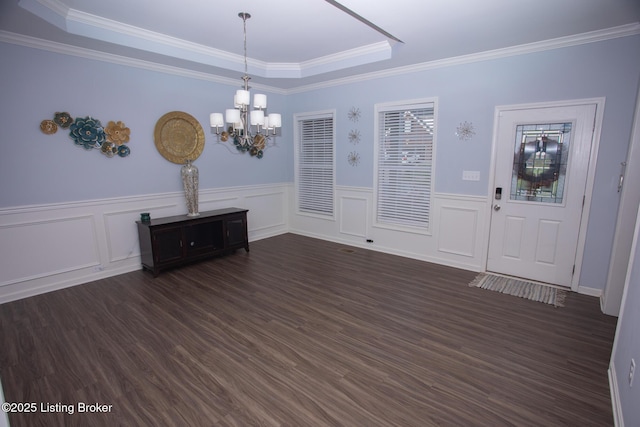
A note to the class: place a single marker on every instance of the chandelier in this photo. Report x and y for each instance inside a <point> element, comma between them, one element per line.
<point>248,129</point>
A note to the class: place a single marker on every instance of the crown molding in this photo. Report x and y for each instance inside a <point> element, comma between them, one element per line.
<point>349,58</point>
<point>551,44</point>
<point>558,43</point>
<point>64,49</point>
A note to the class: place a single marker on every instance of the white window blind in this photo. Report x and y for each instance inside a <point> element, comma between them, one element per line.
<point>315,165</point>
<point>405,164</point>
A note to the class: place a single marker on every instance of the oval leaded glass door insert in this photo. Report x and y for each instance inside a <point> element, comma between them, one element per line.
<point>540,162</point>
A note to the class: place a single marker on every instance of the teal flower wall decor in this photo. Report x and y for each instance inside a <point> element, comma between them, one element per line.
<point>88,133</point>
<point>63,120</point>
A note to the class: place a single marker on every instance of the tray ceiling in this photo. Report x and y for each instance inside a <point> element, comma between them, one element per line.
<point>299,43</point>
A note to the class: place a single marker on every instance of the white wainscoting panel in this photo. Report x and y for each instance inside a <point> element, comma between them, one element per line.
<point>49,247</point>
<point>457,237</point>
<point>458,230</point>
<point>266,212</point>
<point>354,215</point>
<point>34,249</point>
<point>459,224</point>
<point>121,234</point>
<point>217,201</point>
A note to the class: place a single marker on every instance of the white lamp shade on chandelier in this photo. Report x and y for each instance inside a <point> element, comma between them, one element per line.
<point>275,120</point>
<point>246,126</point>
<point>260,101</point>
<point>216,120</point>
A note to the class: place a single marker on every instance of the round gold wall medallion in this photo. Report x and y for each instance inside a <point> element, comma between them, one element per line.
<point>179,137</point>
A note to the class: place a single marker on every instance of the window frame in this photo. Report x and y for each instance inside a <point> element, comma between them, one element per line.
<point>298,118</point>
<point>398,106</point>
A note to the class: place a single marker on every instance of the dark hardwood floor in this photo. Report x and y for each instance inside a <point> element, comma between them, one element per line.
<point>303,332</point>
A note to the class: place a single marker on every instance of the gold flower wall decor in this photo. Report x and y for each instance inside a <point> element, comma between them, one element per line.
<point>117,132</point>
<point>48,127</point>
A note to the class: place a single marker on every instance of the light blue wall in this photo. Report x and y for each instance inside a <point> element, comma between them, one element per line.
<point>38,169</point>
<point>471,92</point>
<point>628,345</point>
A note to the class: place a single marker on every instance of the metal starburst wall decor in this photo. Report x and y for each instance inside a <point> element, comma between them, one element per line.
<point>353,158</point>
<point>465,131</point>
<point>354,136</point>
<point>354,114</point>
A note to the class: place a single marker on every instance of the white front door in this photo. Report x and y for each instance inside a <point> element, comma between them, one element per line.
<point>541,168</point>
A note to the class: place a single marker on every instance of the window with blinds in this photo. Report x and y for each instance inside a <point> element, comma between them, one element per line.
<point>404,164</point>
<point>315,165</point>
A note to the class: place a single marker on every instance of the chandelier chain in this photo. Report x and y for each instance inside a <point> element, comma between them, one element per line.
<point>244,23</point>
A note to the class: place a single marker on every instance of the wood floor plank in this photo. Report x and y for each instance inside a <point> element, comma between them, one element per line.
<point>304,332</point>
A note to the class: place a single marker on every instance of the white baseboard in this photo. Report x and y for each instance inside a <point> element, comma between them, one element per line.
<point>50,284</point>
<point>4,417</point>
<point>590,291</point>
<point>618,420</point>
<point>387,250</point>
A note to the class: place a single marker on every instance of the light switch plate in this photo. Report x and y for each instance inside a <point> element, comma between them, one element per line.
<point>471,175</point>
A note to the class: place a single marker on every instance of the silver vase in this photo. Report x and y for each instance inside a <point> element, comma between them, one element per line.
<point>189,174</point>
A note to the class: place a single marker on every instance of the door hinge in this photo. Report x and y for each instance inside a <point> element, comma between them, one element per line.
<point>573,270</point>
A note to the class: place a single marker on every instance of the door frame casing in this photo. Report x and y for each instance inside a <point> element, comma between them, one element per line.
<point>611,301</point>
<point>593,157</point>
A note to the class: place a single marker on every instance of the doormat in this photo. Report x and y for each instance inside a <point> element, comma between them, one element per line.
<point>520,288</point>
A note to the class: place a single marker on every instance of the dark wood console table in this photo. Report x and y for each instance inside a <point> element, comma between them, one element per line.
<point>177,240</point>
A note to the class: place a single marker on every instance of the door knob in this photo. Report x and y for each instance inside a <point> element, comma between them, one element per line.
<point>496,207</point>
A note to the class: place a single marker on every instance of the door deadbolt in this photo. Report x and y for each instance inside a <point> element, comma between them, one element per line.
<point>498,195</point>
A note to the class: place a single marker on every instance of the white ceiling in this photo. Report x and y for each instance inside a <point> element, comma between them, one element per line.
<point>297,43</point>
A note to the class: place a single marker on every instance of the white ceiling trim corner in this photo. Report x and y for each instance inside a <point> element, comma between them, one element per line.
<point>99,28</point>
<point>350,58</point>
<point>64,49</point>
<point>52,11</point>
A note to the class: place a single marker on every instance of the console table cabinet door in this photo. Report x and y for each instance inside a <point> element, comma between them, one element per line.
<point>167,245</point>
<point>236,231</point>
